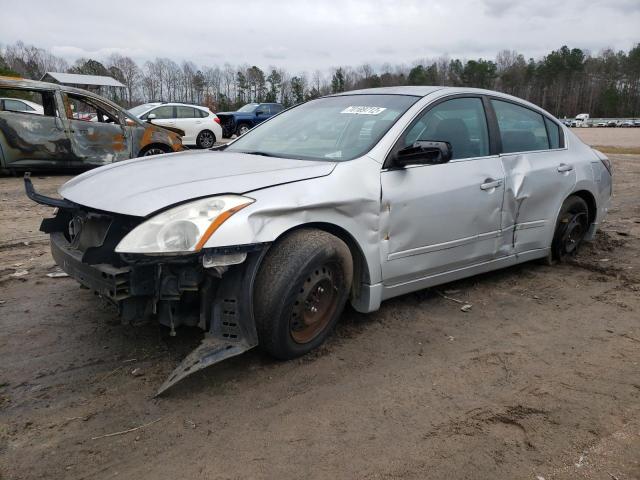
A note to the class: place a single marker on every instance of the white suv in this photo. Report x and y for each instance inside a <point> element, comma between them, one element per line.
<point>200,125</point>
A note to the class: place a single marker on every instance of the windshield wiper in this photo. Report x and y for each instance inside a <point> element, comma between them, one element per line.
<point>257,152</point>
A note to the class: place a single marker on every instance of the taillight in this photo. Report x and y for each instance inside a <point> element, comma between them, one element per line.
<point>216,119</point>
<point>605,161</point>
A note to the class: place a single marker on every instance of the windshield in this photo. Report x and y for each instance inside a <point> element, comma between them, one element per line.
<point>140,109</point>
<point>331,128</point>
<point>249,107</point>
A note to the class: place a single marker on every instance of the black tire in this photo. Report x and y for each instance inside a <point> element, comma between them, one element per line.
<point>307,269</point>
<point>155,149</point>
<point>242,129</point>
<point>206,139</point>
<point>571,228</point>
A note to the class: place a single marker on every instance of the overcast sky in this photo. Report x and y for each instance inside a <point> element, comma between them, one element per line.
<point>308,35</point>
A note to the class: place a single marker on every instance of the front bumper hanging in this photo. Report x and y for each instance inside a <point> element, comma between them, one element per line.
<point>140,287</point>
<point>232,328</point>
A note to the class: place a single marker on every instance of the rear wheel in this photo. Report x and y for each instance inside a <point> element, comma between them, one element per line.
<point>571,228</point>
<point>242,129</point>
<point>206,139</point>
<point>300,292</point>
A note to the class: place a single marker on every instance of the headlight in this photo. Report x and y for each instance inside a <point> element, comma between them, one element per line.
<point>182,229</point>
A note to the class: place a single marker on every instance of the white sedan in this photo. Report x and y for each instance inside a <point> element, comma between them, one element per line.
<point>200,125</point>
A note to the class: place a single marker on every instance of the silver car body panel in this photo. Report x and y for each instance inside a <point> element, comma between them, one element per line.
<point>146,185</point>
<point>414,228</point>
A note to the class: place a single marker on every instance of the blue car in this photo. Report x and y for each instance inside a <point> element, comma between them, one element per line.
<point>247,117</point>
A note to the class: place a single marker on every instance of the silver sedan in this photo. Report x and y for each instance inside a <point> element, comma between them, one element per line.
<point>356,197</point>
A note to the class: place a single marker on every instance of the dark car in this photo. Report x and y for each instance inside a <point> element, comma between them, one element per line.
<point>75,129</point>
<point>247,117</point>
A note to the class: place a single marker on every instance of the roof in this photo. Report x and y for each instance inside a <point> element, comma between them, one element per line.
<point>13,82</point>
<point>416,90</point>
<point>79,79</point>
<point>423,91</point>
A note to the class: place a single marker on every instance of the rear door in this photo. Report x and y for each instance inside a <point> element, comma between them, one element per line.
<point>97,133</point>
<point>539,175</point>
<point>28,139</point>
<point>437,218</point>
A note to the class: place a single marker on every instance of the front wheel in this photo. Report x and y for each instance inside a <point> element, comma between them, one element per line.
<point>154,150</point>
<point>571,228</point>
<point>300,292</point>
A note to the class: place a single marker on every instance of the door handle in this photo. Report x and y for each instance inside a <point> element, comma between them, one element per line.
<point>563,167</point>
<point>490,183</point>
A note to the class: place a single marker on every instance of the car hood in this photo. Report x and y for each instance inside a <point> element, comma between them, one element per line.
<point>142,186</point>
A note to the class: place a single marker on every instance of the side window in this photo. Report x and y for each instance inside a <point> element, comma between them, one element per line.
<point>32,102</point>
<point>162,113</point>
<point>460,121</point>
<point>186,112</point>
<point>16,106</point>
<point>554,133</point>
<point>201,113</point>
<point>276,108</point>
<point>265,109</point>
<point>521,129</point>
<point>88,110</point>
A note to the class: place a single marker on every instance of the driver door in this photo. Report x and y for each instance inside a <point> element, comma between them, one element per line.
<point>438,218</point>
<point>97,134</point>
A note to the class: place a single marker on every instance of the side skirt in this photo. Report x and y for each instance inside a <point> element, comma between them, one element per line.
<point>390,291</point>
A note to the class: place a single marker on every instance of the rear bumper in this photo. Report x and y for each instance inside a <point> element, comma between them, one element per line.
<point>108,281</point>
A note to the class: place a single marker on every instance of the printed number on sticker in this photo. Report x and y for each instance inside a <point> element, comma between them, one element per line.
<point>364,110</point>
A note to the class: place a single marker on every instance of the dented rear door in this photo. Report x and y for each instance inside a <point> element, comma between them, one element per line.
<point>540,174</point>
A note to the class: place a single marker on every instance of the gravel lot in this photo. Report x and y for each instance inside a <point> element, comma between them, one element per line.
<point>541,379</point>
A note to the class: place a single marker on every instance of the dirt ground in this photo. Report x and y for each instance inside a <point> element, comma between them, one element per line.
<point>610,137</point>
<point>540,380</point>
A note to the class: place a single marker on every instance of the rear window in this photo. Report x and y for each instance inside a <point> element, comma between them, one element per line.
<point>521,129</point>
<point>186,112</point>
<point>554,133</point>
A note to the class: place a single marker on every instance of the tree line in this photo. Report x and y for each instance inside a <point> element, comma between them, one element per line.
<point>565,82</point>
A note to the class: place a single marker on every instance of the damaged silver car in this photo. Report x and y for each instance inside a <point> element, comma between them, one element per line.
<point>356,197</point>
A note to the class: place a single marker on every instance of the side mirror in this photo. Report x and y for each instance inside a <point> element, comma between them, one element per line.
<point>260,112</point>
<point>150,117</point>
<point>424,153</point>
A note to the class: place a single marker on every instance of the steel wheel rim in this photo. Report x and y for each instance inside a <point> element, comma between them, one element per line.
<point>574,233</point>
<point>153,151</point>
<point>206,139</point>
<point>242,130</point>
<point>314,306</point>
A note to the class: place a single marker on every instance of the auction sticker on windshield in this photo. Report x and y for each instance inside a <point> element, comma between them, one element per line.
<point>363,110</point>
